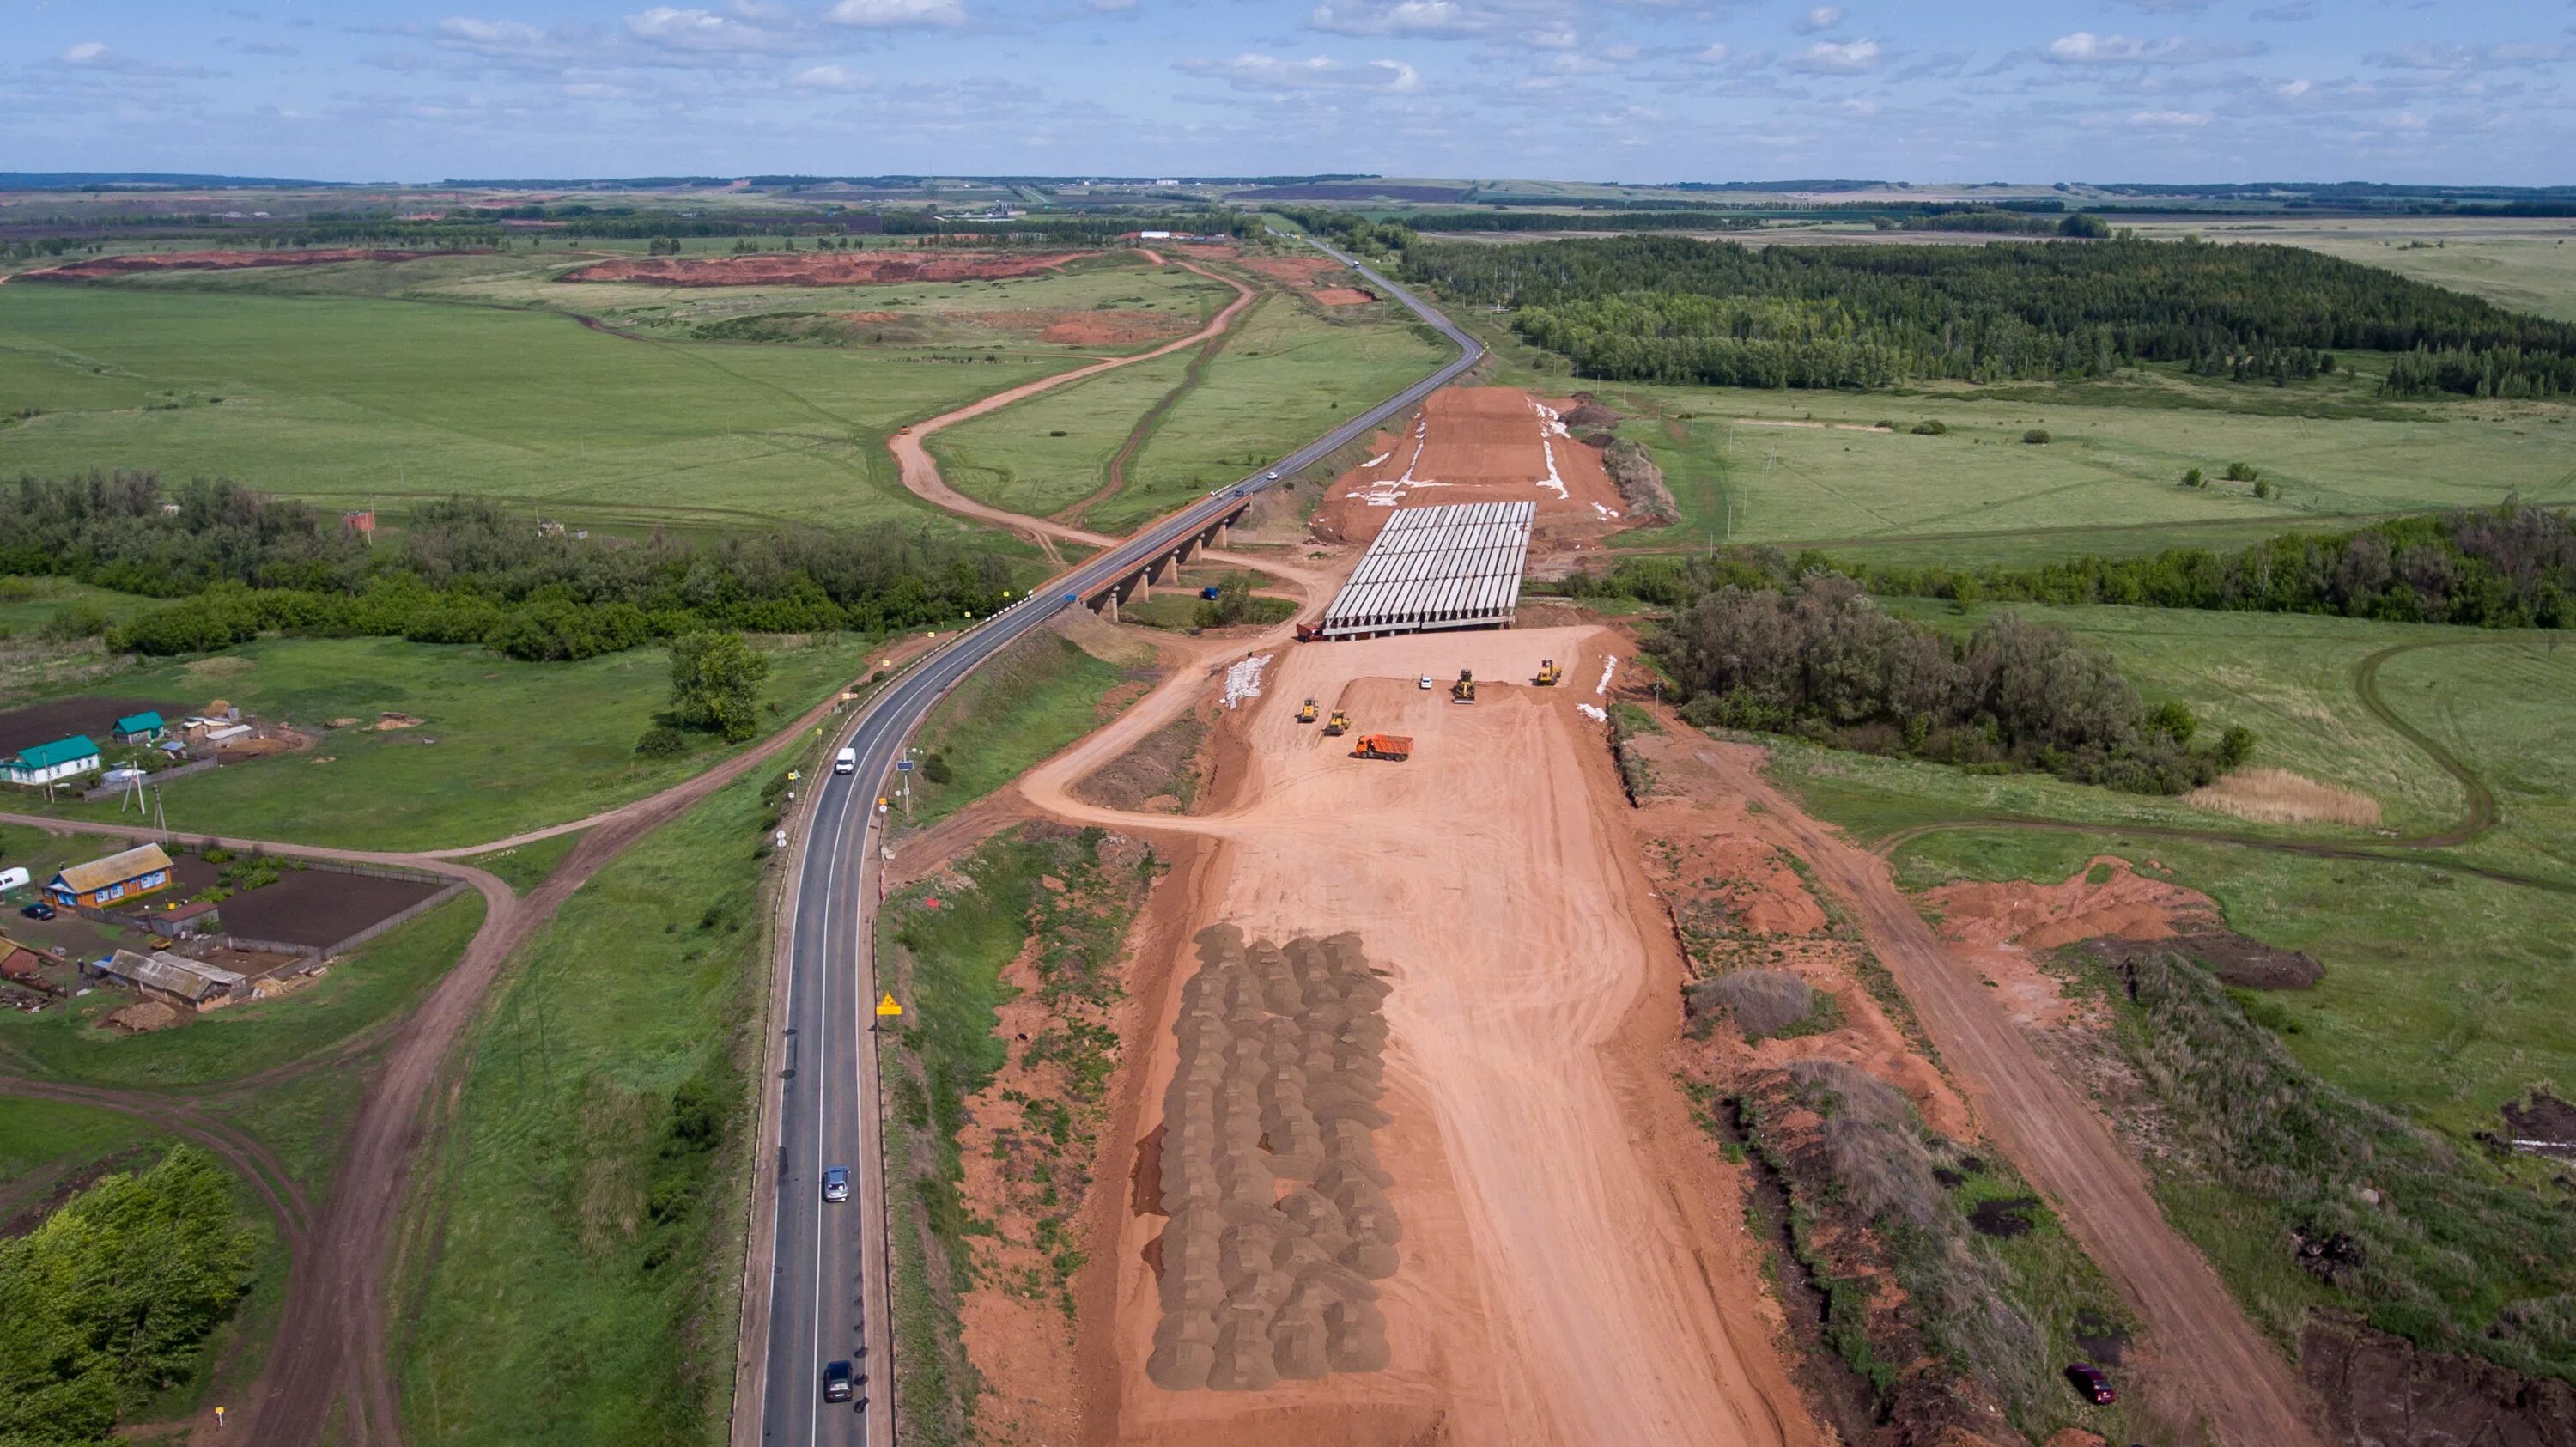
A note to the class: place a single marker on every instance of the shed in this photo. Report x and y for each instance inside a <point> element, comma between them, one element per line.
<point>180,921</point>
<point>139,728</point>
<point>194,983</point>
<point>103,882</point>
<point>49,763</point>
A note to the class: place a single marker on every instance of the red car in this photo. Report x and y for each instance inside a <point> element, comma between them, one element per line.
<point>2091,1384</point>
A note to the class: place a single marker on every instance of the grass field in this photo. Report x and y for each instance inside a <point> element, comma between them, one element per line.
<point>519,745</point>
<point>382,980</point>
<point>356,402</point>
<point>597,1145</point>
<point>1014,459</point>
<point>40,1140</point>
<point>2518,262</point>
<point>1800,468</point>
<point>1038,696</point>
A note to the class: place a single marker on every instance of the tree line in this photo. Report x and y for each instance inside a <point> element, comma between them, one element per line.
<point>1715,313</point>
<point>466,570</point>
<point>2509,566</point>
<point>1820,660</point>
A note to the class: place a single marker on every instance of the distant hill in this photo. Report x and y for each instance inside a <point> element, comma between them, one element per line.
<point>152,180</point>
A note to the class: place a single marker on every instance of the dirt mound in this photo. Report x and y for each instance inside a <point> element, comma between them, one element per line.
<point>2244,963</point>
<point>1478,444</point>
<point>816,268</point>
<point>2380,1389</point>
<point>144,1016</point>
<point>2107,899</point>
<point>1343,295</point>
<point>2541,1122</point>
<point>1295,270</point>
<point>1158,774</point>
<point>107,266</point>
<point>2277,796</point>
<point>1281,1060</point>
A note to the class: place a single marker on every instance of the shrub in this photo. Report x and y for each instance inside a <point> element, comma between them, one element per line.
<point>2242,472</point>
<point>1762,1002</point>
<point>936,770</point>
<point>2194,477</point>
<point>662,741</point>
<point>1931,427</point>
<point>2036,437</point>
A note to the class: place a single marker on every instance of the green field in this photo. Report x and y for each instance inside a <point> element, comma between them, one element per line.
<point>598,1145</point>
<point>1014,459</point>
<point>518,745</point>
<point>2517,262</point>
<point>1801,468</point>
<point>40,1140</point>
<point>1037,696</point>
<point>356,402</point>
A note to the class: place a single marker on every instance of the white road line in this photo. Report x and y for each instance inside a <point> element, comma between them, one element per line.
<point>822,1101</point>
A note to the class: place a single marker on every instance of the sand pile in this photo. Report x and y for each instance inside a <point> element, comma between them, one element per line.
<point>1279,1214</point>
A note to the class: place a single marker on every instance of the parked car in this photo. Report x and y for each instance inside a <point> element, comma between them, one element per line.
<point>836,1184</point>
<point>2091,1384</point>
<point>837,1385</point>
<point>1426,681</point>
<point>38,910</point>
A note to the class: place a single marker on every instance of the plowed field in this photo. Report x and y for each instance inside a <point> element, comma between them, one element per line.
<point>816,268</point>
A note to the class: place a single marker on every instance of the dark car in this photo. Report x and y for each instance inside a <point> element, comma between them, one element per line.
<point>837,1384</point>
<point>836,1184</point>
<point>2091,1384</point>
<point>38,910</point>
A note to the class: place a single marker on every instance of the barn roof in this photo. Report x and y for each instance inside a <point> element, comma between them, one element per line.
<point>114,869</point>
<point>190,980</point>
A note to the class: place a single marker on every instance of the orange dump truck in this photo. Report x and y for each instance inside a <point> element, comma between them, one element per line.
<point>1384,746</point>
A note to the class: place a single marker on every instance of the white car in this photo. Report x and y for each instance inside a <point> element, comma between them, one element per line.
<point>846,762</point>
<point>1269,477</point>
<point>1426,680</point>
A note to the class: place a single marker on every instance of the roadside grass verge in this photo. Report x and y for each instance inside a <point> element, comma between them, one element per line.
<point>593,1144</point>
<point>1038,696</point>
<point>518,745</point>
<point>381,981</point>
<point>1041,885</point>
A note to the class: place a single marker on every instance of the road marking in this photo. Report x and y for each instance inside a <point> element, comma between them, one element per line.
<point>822,1092</point>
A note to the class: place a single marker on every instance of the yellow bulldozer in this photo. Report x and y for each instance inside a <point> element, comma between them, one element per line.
<point>1337,725</point>
<point>1464,690</point>
<point>1549,675</point>
<point>1306,714</point>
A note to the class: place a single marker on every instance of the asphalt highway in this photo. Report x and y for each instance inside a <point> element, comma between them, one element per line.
<point>829,1294</point>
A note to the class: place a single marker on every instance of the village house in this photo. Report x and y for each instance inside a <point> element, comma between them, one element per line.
<point>103,882</point>
<point>139,728</point>
<point>51,763</point>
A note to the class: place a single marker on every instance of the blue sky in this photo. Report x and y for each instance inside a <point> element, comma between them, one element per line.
<point>2139,90</point>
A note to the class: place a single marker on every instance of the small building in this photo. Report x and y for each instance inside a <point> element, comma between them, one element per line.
<point>175,978</point>
<point>51,763</point>
<point>182,921</point>
<point>362,522</point>
<point>103,882</point>
<point>139,728</point>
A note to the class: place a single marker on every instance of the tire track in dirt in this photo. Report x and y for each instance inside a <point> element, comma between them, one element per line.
<point>1144,429</point>
<point>2481,814</point>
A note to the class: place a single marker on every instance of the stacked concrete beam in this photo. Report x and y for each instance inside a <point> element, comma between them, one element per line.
<point>1279,1218</point>
<point>1453,566</point>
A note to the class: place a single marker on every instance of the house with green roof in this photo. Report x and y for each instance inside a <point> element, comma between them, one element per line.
<point>48,763</point>
<point>139,728</point>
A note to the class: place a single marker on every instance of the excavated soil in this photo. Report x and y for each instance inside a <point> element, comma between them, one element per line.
<point>816,268</point>
<point>107,266</point>
<point>2106,899</point>
<point>1573,1267</point>
<point>1343,295</point>
<point>1477,444</point>
<point>1295,270</point>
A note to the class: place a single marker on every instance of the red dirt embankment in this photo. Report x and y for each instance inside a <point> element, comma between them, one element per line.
<point>107,266</point>
<point>1305,271</point>
<point>1477,444</point>
<point>817,268</point>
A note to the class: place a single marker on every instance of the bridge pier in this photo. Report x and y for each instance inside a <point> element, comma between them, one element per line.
<point>1189,551</point>
<point>1224,535</point>
<point>1109,606</point>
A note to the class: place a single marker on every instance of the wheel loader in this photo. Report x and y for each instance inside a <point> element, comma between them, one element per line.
<point>1306,714</point>
<point>1337,725</point>
<point>1549,675</point>
<point>1464,690</point>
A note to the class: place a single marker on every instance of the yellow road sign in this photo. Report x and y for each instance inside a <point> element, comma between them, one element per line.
<point>887,1006</point>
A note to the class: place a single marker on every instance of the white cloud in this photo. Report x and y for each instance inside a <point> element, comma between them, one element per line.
<point>2292,89</point>
<point>594,90</point>
<point>2086,48</point>
<point>1827,57</point>
<point>2168,120</point>
<point>831,77</point>
<point>1403,17</point>
<point>890,14</point>
<point>1716,54</point>
<point>500,39</point>
<point>2419,56</point>
<point>85,53</point>
<point>1823,17</point>
<point>1254,71</point>
<point>680,29</point>
<point>1112,6</point>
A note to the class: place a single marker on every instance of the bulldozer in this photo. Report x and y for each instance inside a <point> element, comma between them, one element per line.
<point>1337,725</point>
<point>1549,675</point>
<point>1464,690</point>
<point>1306,714</point>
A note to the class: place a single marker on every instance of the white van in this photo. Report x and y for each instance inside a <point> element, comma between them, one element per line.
<point>12,879</point>
<point>846,762</point>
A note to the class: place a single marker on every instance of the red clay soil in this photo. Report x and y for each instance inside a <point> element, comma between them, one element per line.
<point>818,268</point>
<point>2105,899</point>
<point>106,266</point>
<point>1343,296</point>
<point>1295,270</point>
<point>1478,444</point>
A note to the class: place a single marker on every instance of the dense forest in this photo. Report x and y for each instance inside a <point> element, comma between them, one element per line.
<point>466,571</point>
<point>1676,310</point>
<point>1823,661</point>
<point>2509,566</point>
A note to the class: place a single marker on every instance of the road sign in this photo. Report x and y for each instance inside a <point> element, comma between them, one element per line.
<point>887,1007</point>
<point>903,766</point>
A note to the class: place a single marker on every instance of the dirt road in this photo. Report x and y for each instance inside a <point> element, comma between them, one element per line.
<point>2210,1353</point>
<point>921,474</point>
<point>1553,1287</point>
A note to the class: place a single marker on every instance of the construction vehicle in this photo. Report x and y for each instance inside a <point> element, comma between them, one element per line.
<point>1306,714</point>
<point>1398,747</point>
<point>1464,690</point>
<point>1211,593</point>
<point>1549,675</point>
<point>1337,725</point>
<point>1310,632</point>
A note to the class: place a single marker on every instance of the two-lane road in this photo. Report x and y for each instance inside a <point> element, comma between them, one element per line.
<point>828,1298</point>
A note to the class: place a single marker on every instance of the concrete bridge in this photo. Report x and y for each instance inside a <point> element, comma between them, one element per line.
<point>1136,584</point>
